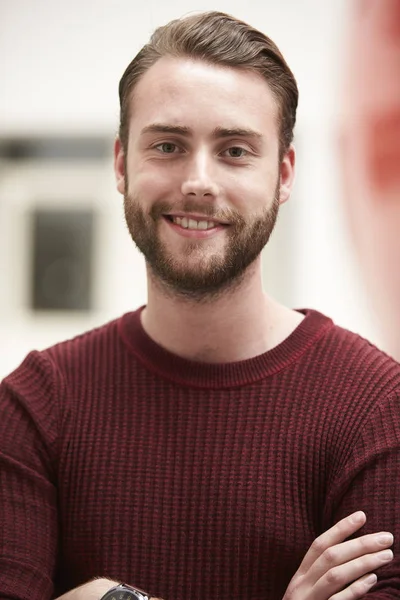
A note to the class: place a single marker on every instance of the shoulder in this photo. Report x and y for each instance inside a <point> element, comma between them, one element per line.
<point>346,361</point>
<point>343,343</point>
<point>46,370</point>
<point>360,352</point>
<point>47,384</point>
<point>95,344</point>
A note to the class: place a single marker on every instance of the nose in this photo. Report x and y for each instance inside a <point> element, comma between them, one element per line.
<point>199,178</point>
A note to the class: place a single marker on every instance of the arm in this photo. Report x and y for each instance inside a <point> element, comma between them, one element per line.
<point>329,565</point>
<point>367,477</point>
<point>29,456</point>
<point>28,499</point>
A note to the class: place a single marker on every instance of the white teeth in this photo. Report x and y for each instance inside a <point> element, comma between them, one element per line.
<point>193,224</point>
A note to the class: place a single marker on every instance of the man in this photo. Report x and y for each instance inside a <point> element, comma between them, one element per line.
<point>195,448</point>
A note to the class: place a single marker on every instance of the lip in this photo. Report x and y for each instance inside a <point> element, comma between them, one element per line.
<point>198,234</point>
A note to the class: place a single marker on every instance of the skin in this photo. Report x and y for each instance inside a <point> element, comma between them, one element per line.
<point>242,322</point>
<point>332,563</point>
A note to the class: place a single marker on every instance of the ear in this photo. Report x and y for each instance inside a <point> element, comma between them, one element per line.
<point>119,165</point>
<point>287,174</point>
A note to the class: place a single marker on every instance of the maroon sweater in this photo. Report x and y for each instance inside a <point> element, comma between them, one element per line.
<point>192,480</point>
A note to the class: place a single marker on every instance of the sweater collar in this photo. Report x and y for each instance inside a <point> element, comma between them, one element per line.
<point>220,375</point>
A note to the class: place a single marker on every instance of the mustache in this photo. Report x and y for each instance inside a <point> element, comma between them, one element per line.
<point>194,206</point>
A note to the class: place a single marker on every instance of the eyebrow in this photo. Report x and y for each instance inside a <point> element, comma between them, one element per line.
<point>161,128</point>
<point>223,132</point>
<point>218,132</point>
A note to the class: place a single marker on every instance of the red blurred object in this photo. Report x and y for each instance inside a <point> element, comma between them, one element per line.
<point>383,150</point>
<point>370,149</point>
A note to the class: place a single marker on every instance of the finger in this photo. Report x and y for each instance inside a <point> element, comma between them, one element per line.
<point>357,589</point>
<point>347,551</point>
<point>337,578</point>
<point>336,534</point>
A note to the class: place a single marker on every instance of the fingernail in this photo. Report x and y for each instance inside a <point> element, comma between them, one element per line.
<point>358,517</point>
<point>386,555</point>
<point>371,579</point>
<point>385,538</point>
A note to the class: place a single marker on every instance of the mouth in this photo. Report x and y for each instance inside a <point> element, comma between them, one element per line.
<point>195,222</point>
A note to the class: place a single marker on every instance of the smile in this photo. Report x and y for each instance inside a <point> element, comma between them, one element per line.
<point>191,226</point>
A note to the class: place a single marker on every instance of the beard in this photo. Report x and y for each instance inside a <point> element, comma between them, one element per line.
<point>198,274</point>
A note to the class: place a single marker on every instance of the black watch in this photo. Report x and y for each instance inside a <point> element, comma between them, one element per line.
<point>124,592</point>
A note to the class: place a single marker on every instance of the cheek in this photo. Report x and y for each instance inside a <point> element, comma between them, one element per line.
<point>145,186</point>
<point>252,193</point>
<point>153,182</point>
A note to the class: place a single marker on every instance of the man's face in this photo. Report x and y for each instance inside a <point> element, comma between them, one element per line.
<point>201,179</point>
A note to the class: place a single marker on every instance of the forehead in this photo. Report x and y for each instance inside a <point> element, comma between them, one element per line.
<point>203,96</point>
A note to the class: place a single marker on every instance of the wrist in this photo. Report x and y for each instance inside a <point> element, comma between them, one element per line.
<point>99,587</point>
<point>92,590</point>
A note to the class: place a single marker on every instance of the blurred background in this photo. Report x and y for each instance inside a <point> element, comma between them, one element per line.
<point>67,262</point>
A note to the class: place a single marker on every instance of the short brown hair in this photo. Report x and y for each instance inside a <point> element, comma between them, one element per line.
<point>216,38</point>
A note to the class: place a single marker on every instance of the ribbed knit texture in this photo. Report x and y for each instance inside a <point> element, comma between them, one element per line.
<point>192,481</point>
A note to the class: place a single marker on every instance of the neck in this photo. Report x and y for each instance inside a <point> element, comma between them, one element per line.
<point>234,326</point>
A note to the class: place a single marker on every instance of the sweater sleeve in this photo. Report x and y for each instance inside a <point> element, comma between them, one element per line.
<point>28,501</point>
<point>369,480</point>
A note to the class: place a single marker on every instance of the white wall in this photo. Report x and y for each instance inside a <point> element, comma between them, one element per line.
<point>61,63</point>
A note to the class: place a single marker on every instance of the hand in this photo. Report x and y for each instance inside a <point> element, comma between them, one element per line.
<point>341,570</point>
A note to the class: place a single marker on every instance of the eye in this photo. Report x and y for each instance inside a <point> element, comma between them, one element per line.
<point>167,148</point>
<point>235,152</point>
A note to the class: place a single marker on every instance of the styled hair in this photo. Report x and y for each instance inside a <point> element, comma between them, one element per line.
<point>220,39</point>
